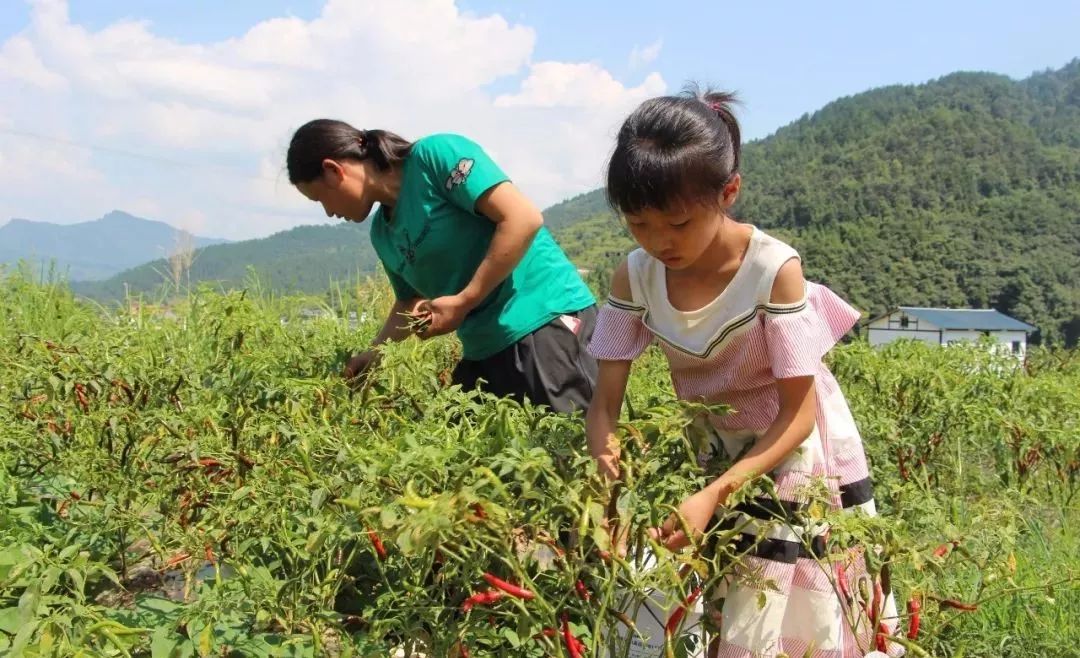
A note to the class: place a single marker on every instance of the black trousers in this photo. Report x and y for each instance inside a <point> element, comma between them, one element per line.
<point>549,366</point>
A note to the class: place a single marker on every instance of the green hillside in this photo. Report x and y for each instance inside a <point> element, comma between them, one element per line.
<point>964,191</point>
<point>961,192</point>
<point>303,259</point>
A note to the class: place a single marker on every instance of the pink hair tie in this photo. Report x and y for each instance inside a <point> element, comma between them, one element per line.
<point>716,107</point>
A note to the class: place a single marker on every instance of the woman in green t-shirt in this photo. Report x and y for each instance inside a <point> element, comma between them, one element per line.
<point>464,250</point>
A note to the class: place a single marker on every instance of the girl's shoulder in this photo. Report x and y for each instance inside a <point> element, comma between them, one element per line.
<point>641,271</point>
<point>770,249</point>
<point>766,255</point>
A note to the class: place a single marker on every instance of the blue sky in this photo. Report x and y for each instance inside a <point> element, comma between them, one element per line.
<point>553,70</point>
<point>786,58</point>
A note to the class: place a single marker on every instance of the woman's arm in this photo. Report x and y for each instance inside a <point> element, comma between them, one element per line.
<point>397,327</point>
<point>517,222</point>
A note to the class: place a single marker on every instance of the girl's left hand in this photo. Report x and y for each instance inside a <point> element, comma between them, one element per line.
<point>697,510</point>
<point>445,314</point>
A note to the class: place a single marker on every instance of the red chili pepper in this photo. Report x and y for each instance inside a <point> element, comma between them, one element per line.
<point>914,607</point>
<point>573,646</point>
<point>463,650</point>
<point>509,588</point>
<point>876,608</point>
<point>177,559</point>
<point>209,554</point>
<point>478,510</point>
<point>842,583</point>
<point>582,591</point>
<point>75,495</point>
<point>481,598</point>
<point>676,618</point>
<point>80,397</point>
<point>943,550</point>
<point>623,618</point>
<point>380,550</point>
<point>958,605</point>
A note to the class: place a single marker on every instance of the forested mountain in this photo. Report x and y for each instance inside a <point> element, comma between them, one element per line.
<point>303,259</point>
<point>964,191</point>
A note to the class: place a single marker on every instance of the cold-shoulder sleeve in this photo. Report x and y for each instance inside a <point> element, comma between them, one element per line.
<point>798,335</point>
<point>620,333</point>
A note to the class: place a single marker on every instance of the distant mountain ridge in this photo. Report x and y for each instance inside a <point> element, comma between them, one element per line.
<point>960,192</point>
<point>91,250</point>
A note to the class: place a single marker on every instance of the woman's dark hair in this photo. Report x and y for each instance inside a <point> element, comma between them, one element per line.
<point>674,151</point>
<point>320,139</point>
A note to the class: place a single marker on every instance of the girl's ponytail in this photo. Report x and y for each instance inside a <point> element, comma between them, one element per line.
<point>721,103</point>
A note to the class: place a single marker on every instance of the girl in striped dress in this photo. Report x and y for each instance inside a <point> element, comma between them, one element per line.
<point>728,305</point>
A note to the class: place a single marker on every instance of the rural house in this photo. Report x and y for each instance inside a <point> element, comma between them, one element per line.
<point>942,326</point>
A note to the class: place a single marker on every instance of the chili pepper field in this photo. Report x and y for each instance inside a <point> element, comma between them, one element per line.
<point>200,482</point>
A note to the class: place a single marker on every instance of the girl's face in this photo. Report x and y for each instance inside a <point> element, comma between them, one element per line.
<point>344,190</point>
<point>679,237</point>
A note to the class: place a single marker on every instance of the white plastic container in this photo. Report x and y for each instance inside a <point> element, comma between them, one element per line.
<point>651,616</point>
<point>650,621</point>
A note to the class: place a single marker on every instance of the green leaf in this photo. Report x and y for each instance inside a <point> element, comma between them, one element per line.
<point>158,605</point>
<point>9,620</point>
<point>318,497</point>
<point>511,636</point>
<point>22,638</point>
<point>28,603</point>
<point>48,581</point>
<point>70,551</point>
<point>206,640</point>
<point>77,579</point>
<point>164,643</point>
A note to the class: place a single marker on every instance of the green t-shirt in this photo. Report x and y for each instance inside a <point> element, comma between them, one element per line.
<point>435,240</point>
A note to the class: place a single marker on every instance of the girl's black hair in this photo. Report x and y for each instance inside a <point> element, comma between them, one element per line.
<point>675,151</point>
<point>320,139</point>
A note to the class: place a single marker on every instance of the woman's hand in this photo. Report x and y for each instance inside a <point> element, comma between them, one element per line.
<point>358,366</point>
<point>442,315</point>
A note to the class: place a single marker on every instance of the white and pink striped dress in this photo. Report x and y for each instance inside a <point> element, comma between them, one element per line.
<point>732,351</point>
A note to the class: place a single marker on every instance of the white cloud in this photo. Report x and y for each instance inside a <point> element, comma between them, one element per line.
<point>19,61</point>
<point>647,55</point>
<point>214,119</point>
<point>577,85</point>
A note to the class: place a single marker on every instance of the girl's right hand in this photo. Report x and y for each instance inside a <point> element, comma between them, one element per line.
<point>696,512</point>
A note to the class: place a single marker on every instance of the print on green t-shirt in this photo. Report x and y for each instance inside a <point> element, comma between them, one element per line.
<point>432,243</point>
